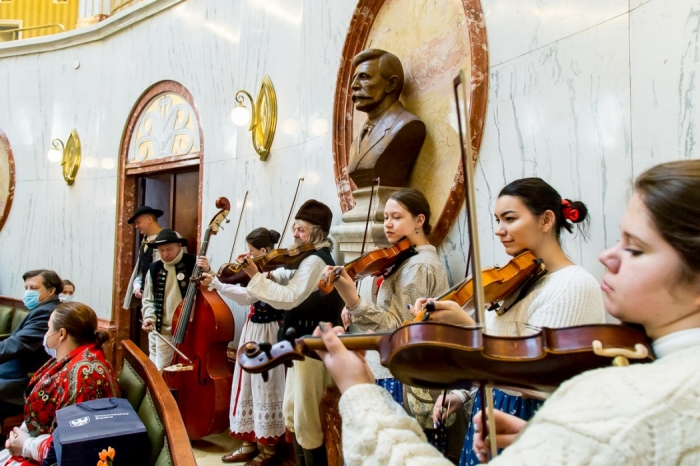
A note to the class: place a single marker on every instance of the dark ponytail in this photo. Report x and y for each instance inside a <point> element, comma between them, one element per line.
<point>539,197</point>
<point>263,238</point>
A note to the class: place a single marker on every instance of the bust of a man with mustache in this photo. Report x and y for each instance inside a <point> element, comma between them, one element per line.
<point>390,140</point>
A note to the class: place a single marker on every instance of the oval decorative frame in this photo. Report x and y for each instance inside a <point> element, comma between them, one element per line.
<point>266,118</point>
<point>11,182</point>
<point>358,32</point>
<point>71,157</point>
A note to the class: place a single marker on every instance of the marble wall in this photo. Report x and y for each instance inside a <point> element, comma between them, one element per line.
<point>585,94</point>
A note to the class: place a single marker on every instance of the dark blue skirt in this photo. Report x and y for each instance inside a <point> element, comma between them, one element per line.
<point>394,388</point>
<point>524,408</point>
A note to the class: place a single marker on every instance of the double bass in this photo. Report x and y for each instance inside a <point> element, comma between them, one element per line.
<point>204,326</point>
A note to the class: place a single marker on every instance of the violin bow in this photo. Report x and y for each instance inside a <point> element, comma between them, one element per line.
<point>238,227</point>
<point>291,209</point>
<point>479,300</point>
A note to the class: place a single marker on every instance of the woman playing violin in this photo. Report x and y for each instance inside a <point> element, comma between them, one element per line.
<point>406,214</point>
<point>530,215</point>
<point>256,405</point>
<point>638,414</point>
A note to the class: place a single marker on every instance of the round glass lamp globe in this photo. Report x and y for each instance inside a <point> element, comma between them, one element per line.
<point>54,155</point>
<point>240,115</point>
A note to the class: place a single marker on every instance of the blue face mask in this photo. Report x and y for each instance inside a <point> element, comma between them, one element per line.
<point>31,299</point>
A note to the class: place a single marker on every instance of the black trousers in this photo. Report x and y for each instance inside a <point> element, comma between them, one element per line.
<point>315,457</point>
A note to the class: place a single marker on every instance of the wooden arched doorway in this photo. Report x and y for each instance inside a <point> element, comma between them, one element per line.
<point>160,164</point>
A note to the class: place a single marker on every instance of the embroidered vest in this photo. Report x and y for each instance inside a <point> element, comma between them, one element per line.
<point>316,308</point>
<point>264,313</point>
<point>159,276</point>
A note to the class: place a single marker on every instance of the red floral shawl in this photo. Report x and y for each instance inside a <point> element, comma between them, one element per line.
<point>82,375</point>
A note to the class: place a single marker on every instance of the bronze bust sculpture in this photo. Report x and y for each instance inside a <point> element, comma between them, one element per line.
<point>391,139</point>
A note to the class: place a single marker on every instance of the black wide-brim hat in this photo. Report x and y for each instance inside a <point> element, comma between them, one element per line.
<point>144,209</point>
<point>169,236</point>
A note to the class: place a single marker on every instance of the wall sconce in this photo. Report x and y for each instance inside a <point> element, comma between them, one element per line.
<point>69,154</point>
<point>263,118</point>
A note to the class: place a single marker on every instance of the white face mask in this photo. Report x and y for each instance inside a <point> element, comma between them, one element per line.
<point>65,298</point>
<point>50,351</point>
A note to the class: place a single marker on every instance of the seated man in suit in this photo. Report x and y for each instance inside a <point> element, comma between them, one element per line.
<point>22,352</point>
<point>390,140</point>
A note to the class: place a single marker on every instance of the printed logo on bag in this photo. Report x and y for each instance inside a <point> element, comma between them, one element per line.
<point>80,422</point>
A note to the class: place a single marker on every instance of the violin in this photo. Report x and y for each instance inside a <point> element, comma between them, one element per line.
<point>287,258</point>
<point>373,263</point>
<point>498,283</point>
<point>232,273</point>
<point>226,275</point>
<point>435,355</point>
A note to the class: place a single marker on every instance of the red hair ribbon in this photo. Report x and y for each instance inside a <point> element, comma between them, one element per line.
<point>569,212</point>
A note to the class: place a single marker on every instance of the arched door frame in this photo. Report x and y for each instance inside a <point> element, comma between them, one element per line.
<point>126,199</point>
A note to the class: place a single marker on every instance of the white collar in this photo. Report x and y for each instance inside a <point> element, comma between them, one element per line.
<point>676,341</point>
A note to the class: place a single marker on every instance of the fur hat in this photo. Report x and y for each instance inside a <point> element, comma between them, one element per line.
<point>144,209</point>
<point>316,213</point>
<point>169,236</point>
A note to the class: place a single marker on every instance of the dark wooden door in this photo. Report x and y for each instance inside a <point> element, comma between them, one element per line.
<point>176,194</point>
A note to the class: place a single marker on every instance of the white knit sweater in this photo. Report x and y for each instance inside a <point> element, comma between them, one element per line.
<point>570,296</point>
<point>635,415</point>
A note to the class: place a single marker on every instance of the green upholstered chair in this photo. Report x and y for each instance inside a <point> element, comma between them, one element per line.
<point>144,387</point>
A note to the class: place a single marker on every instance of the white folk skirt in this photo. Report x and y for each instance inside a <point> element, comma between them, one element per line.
<point>256,405</point>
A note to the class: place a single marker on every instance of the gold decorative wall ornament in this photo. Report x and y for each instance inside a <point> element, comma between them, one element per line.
<point>263,118</point>
<point>69,154</point>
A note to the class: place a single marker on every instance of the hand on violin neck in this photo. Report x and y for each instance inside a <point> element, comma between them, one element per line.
<point>348,368</point>
<point>507,428</point>
<point>207,279</point>
<point>343,283</point>
<point>446,312</point>
<point>249,266</point>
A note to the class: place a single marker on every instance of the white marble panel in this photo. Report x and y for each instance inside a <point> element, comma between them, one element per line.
<point>515,27</point>
<point>560,113</point>
<point>66,229</point>
<point>665,67</point>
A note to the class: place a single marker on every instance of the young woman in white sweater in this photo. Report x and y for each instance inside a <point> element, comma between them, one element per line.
<point>531,215</point>
<point>639,414</point>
